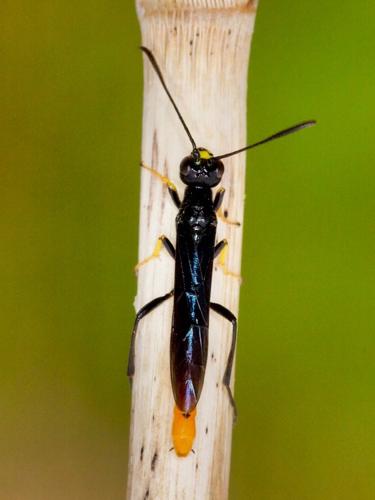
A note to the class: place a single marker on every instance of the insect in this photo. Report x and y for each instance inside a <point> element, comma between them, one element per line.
<point>194,254</point>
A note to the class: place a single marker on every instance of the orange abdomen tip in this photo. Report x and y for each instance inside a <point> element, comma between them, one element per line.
<point>183,432</point>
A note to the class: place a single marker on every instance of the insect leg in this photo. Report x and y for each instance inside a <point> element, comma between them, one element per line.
<point>218,200</point>
<point>223,217</point>
<point>169,247</point>
<point>162,241</point>
<point>174,195</point>
<point>219,247</point>
<point>223,311</point>
<point>150,306</point>
<point>171,187</point>
<point>221,251</point>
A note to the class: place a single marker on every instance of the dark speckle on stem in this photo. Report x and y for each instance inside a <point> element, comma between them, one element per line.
<point>225,213</point>
<point>206,430</point>
<point>141,454</point>
<point>147,494</point>
<point>154,460</point>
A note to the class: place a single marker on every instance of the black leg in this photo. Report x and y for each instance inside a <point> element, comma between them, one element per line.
<point>162,240</point>
<point>219,247</point>
<point>174,196</point>
<point>140,314</point>
<point>168,246</point>
<point>171,187</point>
<point>219,199</point>
<point>220,251</point>
<point>223,311</point>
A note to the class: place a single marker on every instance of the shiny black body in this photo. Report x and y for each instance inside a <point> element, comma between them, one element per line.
<point>195,251</point>
<point>194,255</point>
<point>195,248</point>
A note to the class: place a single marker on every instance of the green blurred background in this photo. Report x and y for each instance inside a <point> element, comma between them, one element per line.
<point>71,94</point>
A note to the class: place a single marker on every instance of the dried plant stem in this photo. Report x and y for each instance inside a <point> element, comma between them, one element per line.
<point>202,47</point>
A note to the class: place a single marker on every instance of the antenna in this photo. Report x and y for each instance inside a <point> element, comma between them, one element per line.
<point>282,133</point>
<point>152,59</point>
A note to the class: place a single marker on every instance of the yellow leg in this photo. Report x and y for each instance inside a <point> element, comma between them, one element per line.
<point>163,178</point>
<point>223,218</point>
<point>222,258</point>
<point>154,255</point>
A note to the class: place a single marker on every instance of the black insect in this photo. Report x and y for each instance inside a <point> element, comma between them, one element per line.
<point>195,251</point>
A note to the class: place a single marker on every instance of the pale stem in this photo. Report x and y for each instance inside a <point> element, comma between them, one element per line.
<point>202,47</point>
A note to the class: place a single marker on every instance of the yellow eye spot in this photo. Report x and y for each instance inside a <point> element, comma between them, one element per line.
<point>205,154</point>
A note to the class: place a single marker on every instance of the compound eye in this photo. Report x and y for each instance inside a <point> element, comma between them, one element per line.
<point>185,166</point>
<point>220,168</point>
<point>215,166</point>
